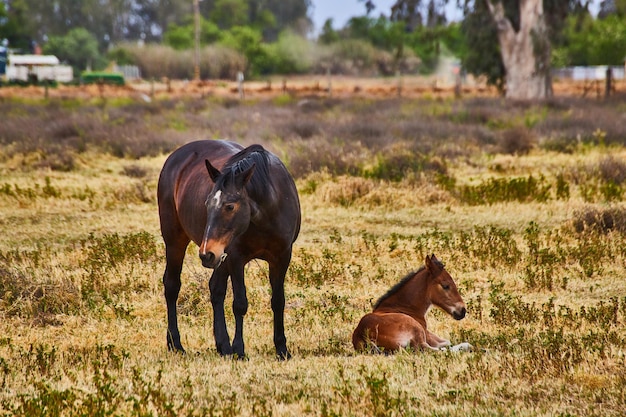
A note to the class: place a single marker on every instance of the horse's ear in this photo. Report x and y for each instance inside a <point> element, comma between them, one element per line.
<point>247,174</point>
<point>213,172</point>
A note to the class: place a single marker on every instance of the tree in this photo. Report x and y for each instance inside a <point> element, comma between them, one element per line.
<point>518,33</point>
<point>79,48</point>
<point>270,17</point>
<point>328,35</point>
<point>591,41</point>
<point>482,55</point>
<point>110,21</point>
<point>229,13</point>
<point>182,37</point>
<point>525,50</point>
<point>248,41</point>
<point>15,25</point>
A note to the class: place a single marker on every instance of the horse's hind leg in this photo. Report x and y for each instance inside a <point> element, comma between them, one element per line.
<point>174,254</point>
<point>277,273</point>
<point>217,285</point>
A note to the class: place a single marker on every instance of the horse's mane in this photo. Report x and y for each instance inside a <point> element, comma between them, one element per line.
<point>401,283</point>
<point>243,160</point>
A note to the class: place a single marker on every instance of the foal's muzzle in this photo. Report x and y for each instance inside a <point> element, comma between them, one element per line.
<point>459,314</point>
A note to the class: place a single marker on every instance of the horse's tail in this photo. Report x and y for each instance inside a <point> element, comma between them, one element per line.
<point>177,180</point>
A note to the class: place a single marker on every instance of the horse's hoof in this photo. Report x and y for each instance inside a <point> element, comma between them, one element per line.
<point>175,348</point>
<point>225,350</point>
<point>283,356</point>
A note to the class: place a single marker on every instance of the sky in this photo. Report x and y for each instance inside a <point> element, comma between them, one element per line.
<point>342,10</point>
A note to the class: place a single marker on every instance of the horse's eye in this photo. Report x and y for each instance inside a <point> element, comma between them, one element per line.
<point>445,287</point>
<point>229,207</point>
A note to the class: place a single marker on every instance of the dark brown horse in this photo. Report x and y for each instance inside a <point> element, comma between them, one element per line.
<point>398,320</point>
<point>237,205</point>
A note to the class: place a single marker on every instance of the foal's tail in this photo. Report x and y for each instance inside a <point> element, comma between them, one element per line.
<point>358,341</point>
<point>364,341</point>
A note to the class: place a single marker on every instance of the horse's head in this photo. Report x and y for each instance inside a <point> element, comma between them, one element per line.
<point>228,212</point>
<point>442,289</point>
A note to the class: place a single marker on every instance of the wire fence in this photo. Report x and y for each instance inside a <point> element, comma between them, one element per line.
<point>588,73</point>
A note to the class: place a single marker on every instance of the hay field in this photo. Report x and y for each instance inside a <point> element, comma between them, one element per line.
<point>523,202</point>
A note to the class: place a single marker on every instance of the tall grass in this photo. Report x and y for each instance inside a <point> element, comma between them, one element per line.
<point>540,268</point>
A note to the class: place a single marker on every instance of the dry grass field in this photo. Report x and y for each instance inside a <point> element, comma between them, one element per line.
<point>523,202</point>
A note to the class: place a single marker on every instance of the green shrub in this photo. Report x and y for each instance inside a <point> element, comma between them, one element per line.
<point>395,165</point>
<point>102,78</point>
<point>494,190</point>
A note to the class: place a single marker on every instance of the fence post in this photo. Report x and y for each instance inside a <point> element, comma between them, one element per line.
<point>329,86</point>
<point>240,84</point>
<point>399,81</point>
<point>609,81</point>
<point>458,87</point>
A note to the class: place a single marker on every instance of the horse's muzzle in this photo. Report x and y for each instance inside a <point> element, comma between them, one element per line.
<point>209,260</point>
<point>459,314</point>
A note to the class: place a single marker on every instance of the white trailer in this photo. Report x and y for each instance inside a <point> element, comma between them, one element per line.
<point>28,68</point>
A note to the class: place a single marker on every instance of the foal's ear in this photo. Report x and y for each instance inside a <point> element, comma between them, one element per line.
<point>213,172</point>
<point>431,263</point>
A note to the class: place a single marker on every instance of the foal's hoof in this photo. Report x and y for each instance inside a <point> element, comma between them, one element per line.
<point>462,347</point>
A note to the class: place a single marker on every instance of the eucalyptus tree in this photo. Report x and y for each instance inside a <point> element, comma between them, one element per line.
<point>15,25</point>
<point>268,16</point>
<point>109,21</point>
<point>515,38</point>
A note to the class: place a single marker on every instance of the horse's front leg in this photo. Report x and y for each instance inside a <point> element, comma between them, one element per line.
<point>277,273</point>
<point>240,304</point>
<point>217,285</point>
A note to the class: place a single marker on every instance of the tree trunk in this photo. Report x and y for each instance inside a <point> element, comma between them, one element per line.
<point>525,53</point>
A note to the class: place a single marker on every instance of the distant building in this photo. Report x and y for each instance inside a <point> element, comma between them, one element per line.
<point>34,68</point>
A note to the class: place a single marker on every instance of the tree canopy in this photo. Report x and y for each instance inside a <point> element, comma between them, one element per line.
<point>113,21</point>
<point>271,35</point>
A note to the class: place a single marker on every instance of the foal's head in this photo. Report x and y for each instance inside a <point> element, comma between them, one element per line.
<point>442,290</point>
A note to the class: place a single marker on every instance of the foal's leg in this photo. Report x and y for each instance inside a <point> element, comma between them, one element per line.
<point>278,270</point>
<point>240,305</point>
<point>174,255</point>
<point>217,285</point>
<point>420,341</point>
<point>436,341</point>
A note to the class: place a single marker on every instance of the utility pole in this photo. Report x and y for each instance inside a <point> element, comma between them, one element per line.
<point>196,55</point>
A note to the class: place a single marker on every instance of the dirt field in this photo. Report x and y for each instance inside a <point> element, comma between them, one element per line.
<point>337,86</point>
